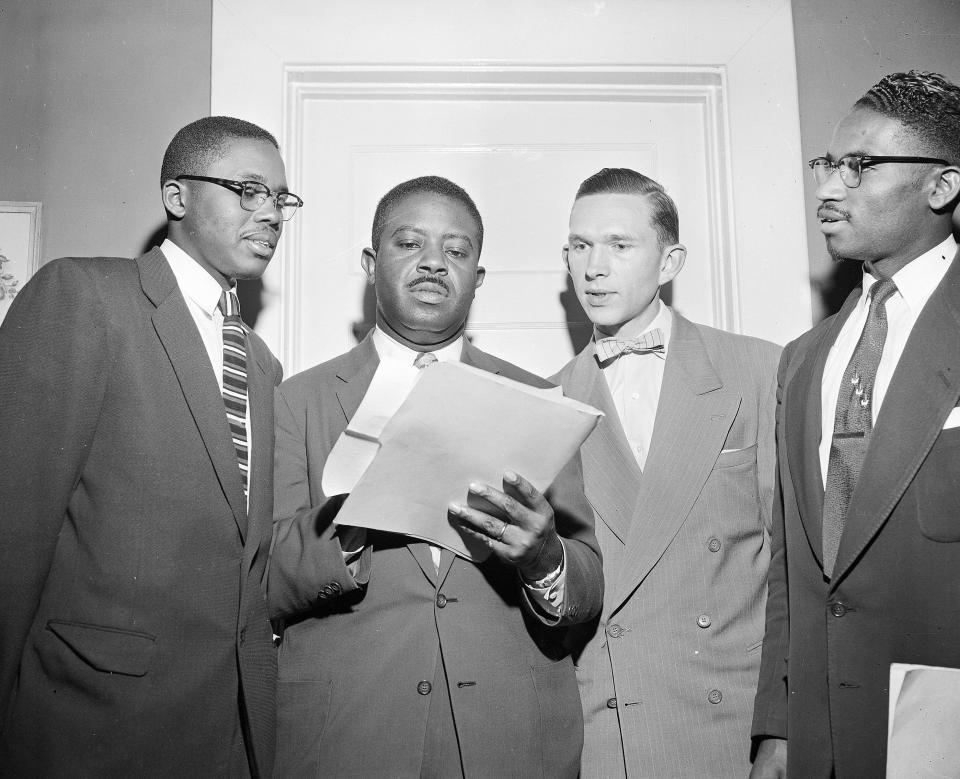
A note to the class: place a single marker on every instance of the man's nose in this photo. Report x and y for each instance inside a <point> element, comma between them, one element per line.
<point>269,212</point>
<point>832,187</point>
<point>597,263</point>
<point>433,259</point>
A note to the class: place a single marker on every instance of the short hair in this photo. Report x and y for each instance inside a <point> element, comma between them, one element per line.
<point>433,185</point>
<point>198,144</point>
<point>624,181</point>
<point>925,103</point>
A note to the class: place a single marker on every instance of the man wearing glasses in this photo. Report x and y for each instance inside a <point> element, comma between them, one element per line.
<point>136,465</point>
<point>865,569</point>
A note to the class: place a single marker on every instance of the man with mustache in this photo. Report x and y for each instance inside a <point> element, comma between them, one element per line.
<point>136,464</point>
<point>680,474</point>
<point>398,658</point>
<point>866,543</point>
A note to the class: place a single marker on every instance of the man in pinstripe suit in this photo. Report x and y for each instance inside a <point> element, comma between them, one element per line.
<point>680,476</point>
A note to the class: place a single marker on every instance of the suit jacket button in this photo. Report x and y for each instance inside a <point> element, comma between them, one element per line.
<point>611,703</point>
<point>715,696</point>
<point>614,630</point>
<point>838,609</point>
<point>243,635</point>
<point>704,620</point>
<point>714,544</point>
<point>424,687</point>
<point>441,601</point>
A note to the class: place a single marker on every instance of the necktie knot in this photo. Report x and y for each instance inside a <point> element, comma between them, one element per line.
<point>650,342</point>
<point>880,292</point>
<point>424,360</point>
<point>229,304</point>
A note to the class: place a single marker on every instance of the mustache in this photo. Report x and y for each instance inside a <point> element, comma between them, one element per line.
<point>831,212</point>
<point>438,280</point>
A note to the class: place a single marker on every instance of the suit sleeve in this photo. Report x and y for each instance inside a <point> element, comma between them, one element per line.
<point>54,362</point>
<point>306,563</point>
<point>770,704</point>
<point>583,589</point>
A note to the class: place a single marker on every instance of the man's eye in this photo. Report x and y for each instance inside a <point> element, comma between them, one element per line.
<point>578,247</point>
<point>410,245</point>
<point>620,247</point>
<point>458,253</point>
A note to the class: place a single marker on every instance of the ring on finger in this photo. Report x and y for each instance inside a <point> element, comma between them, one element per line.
<point>503,529</point>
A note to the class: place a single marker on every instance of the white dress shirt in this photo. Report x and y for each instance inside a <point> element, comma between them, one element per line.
<point>915,282</point>
<point>549,598</point>
<point>634,381</point>
<point>202,295</point>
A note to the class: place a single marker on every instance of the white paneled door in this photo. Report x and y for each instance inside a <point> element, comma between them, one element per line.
<point>518,109</point>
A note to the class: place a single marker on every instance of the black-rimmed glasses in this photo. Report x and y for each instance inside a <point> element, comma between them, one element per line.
<point>253,195</point>
<point>851,166</point>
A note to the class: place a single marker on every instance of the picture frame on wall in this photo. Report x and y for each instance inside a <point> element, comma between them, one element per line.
<point>19,248</point>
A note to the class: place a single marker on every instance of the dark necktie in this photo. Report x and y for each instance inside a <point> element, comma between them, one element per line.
<point>650,342</point>
<point>235,379</point>
<point>854,421</point>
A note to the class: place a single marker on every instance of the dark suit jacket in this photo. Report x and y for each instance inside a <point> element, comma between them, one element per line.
<point>132,620</point>
<point>352,661</point>
<point>895,588</point>
<point>685,550</point>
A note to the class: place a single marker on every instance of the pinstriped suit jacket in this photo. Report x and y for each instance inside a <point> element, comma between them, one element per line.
<point>668,672</point>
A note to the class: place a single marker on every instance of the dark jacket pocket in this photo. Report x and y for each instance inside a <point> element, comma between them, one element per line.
<point>107,649</point>
<point>937,489</point>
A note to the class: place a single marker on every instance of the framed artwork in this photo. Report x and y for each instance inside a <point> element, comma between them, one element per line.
<point>19,248</point>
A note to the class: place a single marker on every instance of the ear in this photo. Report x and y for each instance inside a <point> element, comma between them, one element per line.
<point>565,253</point>
<point>947,188</point>
<point>175,198</point>
<point>481,275</point>
<point>368,261</point>
<point>671,262</point>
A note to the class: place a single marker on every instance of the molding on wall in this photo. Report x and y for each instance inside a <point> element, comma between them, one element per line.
<point>701,86</point>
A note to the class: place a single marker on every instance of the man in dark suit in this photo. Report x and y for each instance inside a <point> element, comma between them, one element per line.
<point>680,474</point>
<point>866,544</point>
<point>136,470</point>
<point>398,658</point>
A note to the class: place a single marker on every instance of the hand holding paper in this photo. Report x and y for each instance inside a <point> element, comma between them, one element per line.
<point>460,426</point>
<point>525,537</point>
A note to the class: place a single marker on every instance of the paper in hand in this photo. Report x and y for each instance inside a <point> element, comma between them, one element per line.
<point>460,424</point>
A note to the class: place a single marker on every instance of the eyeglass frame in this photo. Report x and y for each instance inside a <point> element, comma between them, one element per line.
<point>238,187</point>
<point>865,160</point>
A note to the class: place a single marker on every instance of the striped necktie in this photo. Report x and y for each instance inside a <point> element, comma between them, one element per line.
<point>235,379</point>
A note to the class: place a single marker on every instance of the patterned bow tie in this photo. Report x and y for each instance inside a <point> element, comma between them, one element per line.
<point>650,342</point>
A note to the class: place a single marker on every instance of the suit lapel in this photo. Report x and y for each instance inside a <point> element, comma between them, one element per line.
<point>803,420</point>
<point>694,415</point>
<point>356,375</point>
<point>178,334</point>
<point>610,471</point>
<point>924,389</point>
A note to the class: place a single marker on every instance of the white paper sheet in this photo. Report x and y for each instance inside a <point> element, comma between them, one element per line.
<point>923,733</point>
<point>459,424</point>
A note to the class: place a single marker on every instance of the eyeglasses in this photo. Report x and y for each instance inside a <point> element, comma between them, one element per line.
<point>253,195</point>
<point>851,166</point>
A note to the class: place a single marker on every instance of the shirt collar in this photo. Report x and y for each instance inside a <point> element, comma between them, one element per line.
<point>917,280</point>
<point>391,350</point>
<point>194,282</point>
<point>662,320</point>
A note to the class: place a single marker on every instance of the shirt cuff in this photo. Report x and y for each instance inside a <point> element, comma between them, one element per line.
<point>547,593</point>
